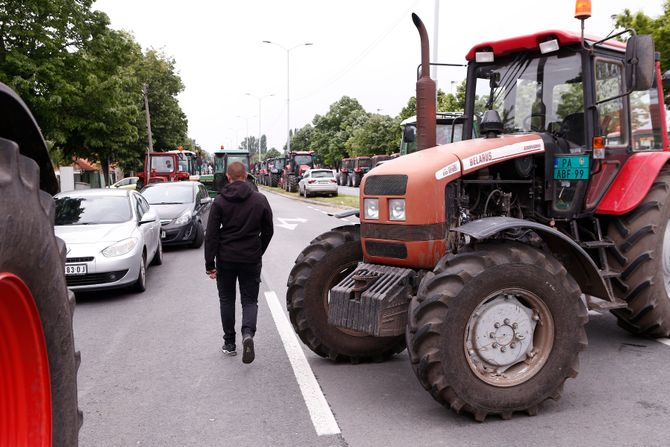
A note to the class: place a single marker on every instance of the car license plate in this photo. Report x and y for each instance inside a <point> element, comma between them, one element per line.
<point>571,167</point>
<point>76,269</point>
<point>162,234</point>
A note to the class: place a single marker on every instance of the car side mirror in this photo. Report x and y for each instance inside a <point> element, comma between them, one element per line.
<point>640,63</point>
<point>205,200</point>
<point>148,217</point>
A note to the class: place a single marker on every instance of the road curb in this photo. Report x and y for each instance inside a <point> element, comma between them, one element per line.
<point>302,199</point>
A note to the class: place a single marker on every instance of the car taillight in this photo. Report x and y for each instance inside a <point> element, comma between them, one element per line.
<point>311,181</point>
<point>332,180</point>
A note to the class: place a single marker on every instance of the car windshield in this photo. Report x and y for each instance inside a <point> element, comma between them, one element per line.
<point>169,194</point>
<point>532,94</point>
<point>162,163</point>
<point>322,174</point>
<point>92,210</point>
<point>303,159</point>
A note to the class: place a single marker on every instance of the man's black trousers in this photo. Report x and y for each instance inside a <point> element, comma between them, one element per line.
<point>249,278</point>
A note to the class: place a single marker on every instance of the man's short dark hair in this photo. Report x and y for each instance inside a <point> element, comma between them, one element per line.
<point>237,171</point>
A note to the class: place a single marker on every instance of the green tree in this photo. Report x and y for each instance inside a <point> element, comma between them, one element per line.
<point>302,138</point>
<point>264,144</point>
<point>409,110</point>
<point>378,135</point>
<point>271,154</point>
<point>333,130</point>
<point>658,28</point>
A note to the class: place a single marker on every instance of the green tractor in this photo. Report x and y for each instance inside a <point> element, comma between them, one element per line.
<point>217,180</point>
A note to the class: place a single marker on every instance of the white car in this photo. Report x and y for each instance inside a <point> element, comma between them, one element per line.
<point>110,235</point>
<point>318,181</point>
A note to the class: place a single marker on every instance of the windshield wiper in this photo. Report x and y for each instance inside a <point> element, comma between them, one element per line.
<point>167,203</point>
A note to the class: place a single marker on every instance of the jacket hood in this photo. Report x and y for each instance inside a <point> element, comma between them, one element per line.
<point>237,191</point>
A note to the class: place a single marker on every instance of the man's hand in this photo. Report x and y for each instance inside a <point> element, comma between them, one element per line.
<point>211,273</point>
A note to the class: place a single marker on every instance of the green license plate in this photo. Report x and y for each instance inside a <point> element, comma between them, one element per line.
<point>571,167</point>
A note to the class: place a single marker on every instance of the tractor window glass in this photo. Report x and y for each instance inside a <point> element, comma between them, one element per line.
<point>303,160</point>
<point>532,94</point>
<point>645,120</point>
<point>162,163</point>
<point>611,111</point>
<point>241,158</point>
<point>219,164</point>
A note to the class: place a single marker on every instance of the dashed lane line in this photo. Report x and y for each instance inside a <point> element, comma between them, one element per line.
<point>322,417</point>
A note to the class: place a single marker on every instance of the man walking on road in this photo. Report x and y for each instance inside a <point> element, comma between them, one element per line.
<point>238,233</point>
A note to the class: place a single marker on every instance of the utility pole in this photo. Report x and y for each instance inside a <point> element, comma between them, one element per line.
<point>436,27</point>
<point>147,168</point>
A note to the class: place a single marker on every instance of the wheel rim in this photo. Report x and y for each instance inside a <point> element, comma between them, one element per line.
<point>666,259</point>
<point>25,407</point>
<point>509,337</point>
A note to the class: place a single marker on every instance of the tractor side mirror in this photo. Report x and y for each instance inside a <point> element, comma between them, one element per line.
<point>665,79</point>
<point>640,63</point>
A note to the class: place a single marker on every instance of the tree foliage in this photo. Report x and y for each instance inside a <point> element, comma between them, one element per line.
<point>379,134</point>
<point>271,154</point>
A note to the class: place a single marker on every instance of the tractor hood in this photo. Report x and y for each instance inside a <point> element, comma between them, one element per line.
<point>428,171</point>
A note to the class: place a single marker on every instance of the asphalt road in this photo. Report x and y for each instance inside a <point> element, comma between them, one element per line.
<point>152,374</point>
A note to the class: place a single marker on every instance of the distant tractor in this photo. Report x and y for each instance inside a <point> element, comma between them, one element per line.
<point>449,129</point>
<point>482,256</point>
<point>296,164</point>
<point>379,159</point>
<point>187,163</point>
<point>358,167</point>
<point>222,159</point>
<point>160,167</point>
<point>275,170</point>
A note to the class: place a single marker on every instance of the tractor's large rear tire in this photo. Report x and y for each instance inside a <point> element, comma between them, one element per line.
<point>642,254</point>
<point>292,183</point>
<point>31,256</point>
<point>496,330</point>
<point>320,266</point>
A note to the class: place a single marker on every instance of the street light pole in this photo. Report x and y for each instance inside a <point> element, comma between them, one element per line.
<point>259,98</point>
<point>246,120</point>
<point>288,88</point>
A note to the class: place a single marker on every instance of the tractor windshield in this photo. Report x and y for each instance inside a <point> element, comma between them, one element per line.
<point>543,93</point>
<point>244,159</point>
<point>279,163</point>
<point>303,160</point>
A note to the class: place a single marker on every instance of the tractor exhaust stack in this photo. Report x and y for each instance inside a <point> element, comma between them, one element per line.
<point>426,108</point>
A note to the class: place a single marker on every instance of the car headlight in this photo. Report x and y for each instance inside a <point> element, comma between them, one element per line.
<point>397,209</point>
<point>183,219</point>
<point>371,208</point>
<point>120,248</point>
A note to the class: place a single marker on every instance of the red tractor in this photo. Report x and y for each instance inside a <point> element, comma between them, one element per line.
<point>171,166</point>
<point>297,163</point>
<point>39,364</point>
<point>482,256</point>
<point>352,170</point>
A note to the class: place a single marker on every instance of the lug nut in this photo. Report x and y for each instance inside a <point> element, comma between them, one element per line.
<point>512,345</point>
<point>503,349</point>
<point>492,335</point>
<point>515,325</point>
<point>506,321</point>
<point>531,354</point>
<point>497,325</point>
<point>536,317</point>
<point>495,345</point>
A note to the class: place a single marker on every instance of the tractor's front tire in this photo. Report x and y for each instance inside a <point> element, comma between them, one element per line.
<point>31,253</point>
<point>496,330</point>
<point>292,183</point>
<point>320,266</point>
<point>642,254</point>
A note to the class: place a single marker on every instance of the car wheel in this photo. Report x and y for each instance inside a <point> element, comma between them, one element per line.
<point>158,257</point>
<point>199,236</point>
<point>141,283</point>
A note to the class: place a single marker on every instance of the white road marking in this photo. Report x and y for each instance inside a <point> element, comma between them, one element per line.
<point>322,418</point>
<point>289,226</point>
<point>665,341</point>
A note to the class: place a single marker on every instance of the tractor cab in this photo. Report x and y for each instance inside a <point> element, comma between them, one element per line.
<point>448,128</point>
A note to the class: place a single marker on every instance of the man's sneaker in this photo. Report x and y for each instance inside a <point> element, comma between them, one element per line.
<point>248,349</point>
<point>229,349</point>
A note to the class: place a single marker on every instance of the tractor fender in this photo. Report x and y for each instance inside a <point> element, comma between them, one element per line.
<point>632,183</point>
<point>17,124</point>
<point>573,257</point>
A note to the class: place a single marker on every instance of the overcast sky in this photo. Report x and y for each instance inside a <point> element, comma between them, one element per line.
<point>366,49</point>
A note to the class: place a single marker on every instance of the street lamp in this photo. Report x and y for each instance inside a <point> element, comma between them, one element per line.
<point>259,98</point>
<point>288,88</point>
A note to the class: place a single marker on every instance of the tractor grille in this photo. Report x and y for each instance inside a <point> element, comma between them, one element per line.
<point>95,278</point>
<point>386,185</point>
<point>428,232</point>
<point>82,259</point>
<point>386,250</point>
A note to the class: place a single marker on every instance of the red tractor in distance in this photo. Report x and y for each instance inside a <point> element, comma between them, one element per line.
<point>352,170</point>
<point>481,257</point>
<point>297,163</point>
<point>169,166</point>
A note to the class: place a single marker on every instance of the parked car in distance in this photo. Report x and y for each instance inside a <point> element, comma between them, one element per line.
<point>318,181</point>
<point>183,209</point>
<point>110,235</point>
<point>126,183</point>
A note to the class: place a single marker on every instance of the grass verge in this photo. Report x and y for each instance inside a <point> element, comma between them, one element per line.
<point>341,200</point>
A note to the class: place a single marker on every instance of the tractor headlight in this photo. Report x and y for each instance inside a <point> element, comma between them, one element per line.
<point>371,208</point>
<point>397,209</point>
<point>120,248</point>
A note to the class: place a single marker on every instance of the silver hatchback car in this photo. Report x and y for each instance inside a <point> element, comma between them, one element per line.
<point>110,236</point>
<point>318,181</point>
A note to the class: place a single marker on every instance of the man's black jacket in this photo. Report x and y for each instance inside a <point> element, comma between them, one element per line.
<point>239,227</point>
